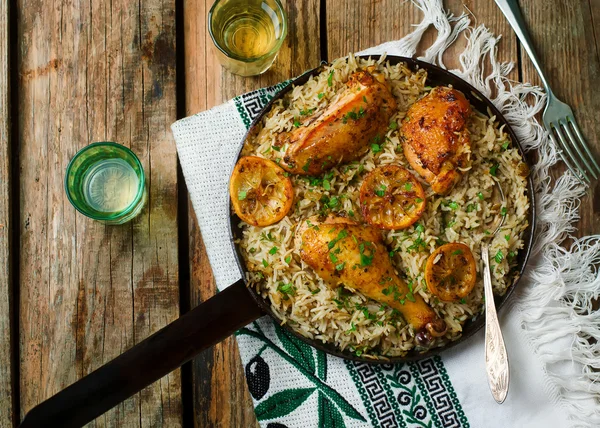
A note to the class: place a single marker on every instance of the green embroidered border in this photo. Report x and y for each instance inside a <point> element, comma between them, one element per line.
<point>390,395</point>
<point>425,393</point>
<point>363,394</point>
<point>448,384</point>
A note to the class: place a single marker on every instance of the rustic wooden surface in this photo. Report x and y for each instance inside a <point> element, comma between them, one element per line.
<point>88,72</point>
<point>95,72</point>
<point>568,44</point>
<point>6,370</point>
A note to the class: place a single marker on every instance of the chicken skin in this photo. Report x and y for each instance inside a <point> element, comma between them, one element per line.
<point>343,252</point>
<point>344,130</point>
<point>436,139</point>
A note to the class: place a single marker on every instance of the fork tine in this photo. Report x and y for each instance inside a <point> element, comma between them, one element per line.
<point>567,159</point>
<point>575,143</point>
<point>571,120</point>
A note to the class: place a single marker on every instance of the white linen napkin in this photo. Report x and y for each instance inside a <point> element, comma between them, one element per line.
<point>294,385</point>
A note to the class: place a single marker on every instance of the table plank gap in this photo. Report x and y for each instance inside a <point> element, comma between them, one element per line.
<point>8,404</point>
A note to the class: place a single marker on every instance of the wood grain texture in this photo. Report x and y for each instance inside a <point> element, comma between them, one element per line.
<point>95,72</point>
<point>566,36</point>
<point>221,397</point>
<point>6,369</point>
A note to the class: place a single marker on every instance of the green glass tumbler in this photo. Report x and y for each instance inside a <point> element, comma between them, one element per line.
<point>105,181</point>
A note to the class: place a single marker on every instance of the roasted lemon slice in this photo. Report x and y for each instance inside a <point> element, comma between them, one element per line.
<point>260,192</point>
<point>391,198</point>
<point>450,272</point>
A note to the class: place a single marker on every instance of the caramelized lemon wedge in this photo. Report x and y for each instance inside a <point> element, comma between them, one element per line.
<point>391,198</point>
<point>260,192</point>
<point>450,272</point>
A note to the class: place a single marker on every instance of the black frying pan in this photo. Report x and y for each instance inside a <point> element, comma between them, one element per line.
<point>235,307</point>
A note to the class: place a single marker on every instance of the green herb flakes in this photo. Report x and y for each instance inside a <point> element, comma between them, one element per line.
<point>330,79</point>
<point>499,257</point>
<point>242,195</point>
<point>480,196</point>
<point>494,169</point>
<point>340,266</point>
<point>321,95</point>
<point>273,250</point>
<point>288,259</point>
<point>376,148</point>
<point>265,263</point>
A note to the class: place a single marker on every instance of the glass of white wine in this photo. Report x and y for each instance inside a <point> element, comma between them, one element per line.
<point>247,34</point>
<point>105,181</point>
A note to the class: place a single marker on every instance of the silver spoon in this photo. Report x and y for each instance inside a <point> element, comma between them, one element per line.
<point>496,358</point>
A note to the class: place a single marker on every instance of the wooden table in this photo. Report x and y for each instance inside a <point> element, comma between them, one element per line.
<point>75,293</point>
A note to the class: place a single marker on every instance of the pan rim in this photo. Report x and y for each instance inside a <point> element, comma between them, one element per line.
<point>471,327</point>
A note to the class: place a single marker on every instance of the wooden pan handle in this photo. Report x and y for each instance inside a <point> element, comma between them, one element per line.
<point>148,361</point>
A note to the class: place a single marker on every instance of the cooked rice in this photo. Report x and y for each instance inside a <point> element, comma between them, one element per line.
<point>348,319</point>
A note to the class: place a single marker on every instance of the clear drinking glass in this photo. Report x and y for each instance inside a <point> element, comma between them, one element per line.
<point>247,34</point>
<point>105,181</point>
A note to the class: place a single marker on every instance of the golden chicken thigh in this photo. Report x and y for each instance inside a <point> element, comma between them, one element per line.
<point>343,131</point>
<point>343,252</point>
<point>435,137</point>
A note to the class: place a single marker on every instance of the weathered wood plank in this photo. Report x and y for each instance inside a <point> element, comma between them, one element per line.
<point>565,34</point>
<point>6,369</point>
<point>221,396</point>
<point>95,72</point>
<point>372,23</point>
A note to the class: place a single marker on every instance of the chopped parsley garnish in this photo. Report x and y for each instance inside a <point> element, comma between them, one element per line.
<point>351,213</point>
<point>242,195</point>
<point>366,259</point>
<point>340,266</point>
<point>364,99</point>
<point>267,237</point>
<point>499,257</point>
<point>330,79</point>
<point>511,255</point>
<point>418,200</point>
<point>321,95</point>
<point>307,165</point>
<point>265,263</point>
<point>273,250</point>
<point>507,237</point>
<point>457,252</point>
<point>376,148</point>
<point>333,257</point>
<point>288,259</point>
<point>326,185</point>
<point>315,291</point>
<point>296,123</point>
<point>252,250</point>
<point>494,169</point>
<point>471,208</point>
<point>307,112</point>
<point>410,296</point>
<point>463,300</point>
<point>480,196</point>
<point>276,148</point>
<point>381,191</point>
<point>420,228</point>
<point>505,145</point>
<point>504,211</point>
<point>393,124</point>
<point>452,204</point>
<point>353,328</point>
<point>286,289</point>
<point>408,186</point>
<point>341,235</point>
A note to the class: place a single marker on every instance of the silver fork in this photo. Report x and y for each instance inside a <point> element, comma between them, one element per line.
<point>558,117</point>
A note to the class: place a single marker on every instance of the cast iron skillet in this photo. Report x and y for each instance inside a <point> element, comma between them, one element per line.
<point>233,308</point>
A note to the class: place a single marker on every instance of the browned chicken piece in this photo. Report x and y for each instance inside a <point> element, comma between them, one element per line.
<point>342,132</point>
<point>343,252</point>
<point>436,139</point>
